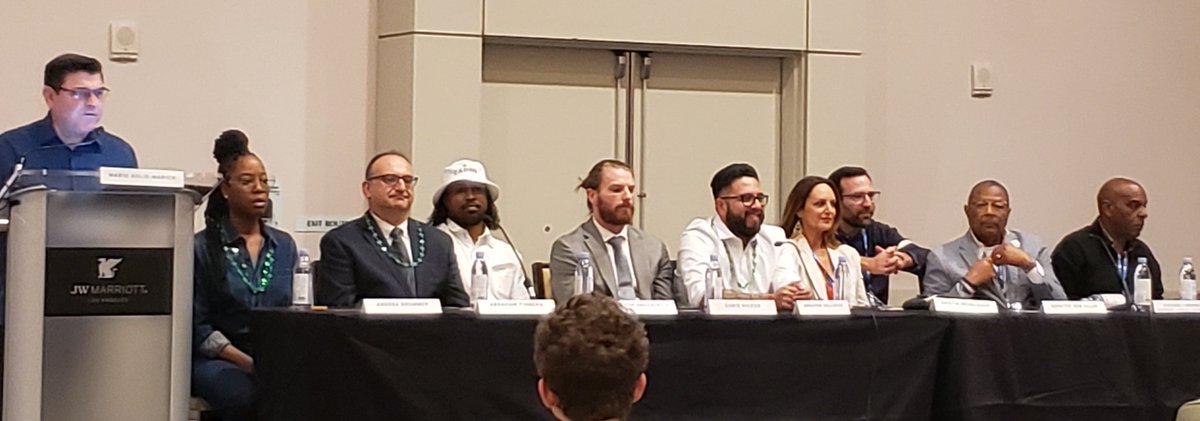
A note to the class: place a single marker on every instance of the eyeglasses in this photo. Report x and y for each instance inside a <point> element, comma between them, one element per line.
<point>748,199</point>
<point>82,94</point>
<point>391,179</point>
<point>859,197</point>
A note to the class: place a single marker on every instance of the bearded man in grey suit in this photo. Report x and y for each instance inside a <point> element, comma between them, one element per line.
<point>990,261</point>
<point>629,264</point>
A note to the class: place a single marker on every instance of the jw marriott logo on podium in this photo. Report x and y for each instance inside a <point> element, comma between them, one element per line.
<point>107,267</point>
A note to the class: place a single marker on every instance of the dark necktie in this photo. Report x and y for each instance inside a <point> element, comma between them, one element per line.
<point>625,289</point>
<point>400,252</point>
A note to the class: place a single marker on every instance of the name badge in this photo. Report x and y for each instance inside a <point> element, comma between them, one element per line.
<point>963,306</point>
<point>742,308</point>
<point>644,308</point>
<point>1174,306</point>
<point>137,177</point>
<point>1073,307</point>
<point>514,307</point>
<point>822,308</point>
<point>414,306</point>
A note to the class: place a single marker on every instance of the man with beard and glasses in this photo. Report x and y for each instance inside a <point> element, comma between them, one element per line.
<point>884,251</point>
<point>629,264</point>
<point>385,253</point>
<point>990,261</point>
<point>1100,258</point>
<point>744,245</point>
<point>464,207</point>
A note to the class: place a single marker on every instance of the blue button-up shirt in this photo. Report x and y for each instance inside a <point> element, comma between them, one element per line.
<point>227,309</point>
<point>42,149</point>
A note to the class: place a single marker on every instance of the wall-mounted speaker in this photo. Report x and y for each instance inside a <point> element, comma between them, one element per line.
<point>124,41</point>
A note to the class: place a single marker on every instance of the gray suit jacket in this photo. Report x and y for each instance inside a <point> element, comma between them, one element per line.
<point>946,266</point>
<point>651,264</point>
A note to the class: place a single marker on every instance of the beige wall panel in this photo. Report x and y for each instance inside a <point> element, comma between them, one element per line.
<point>441,16</point>
<point>446,109</point>
<point>1076,102</point>
<point>700,114</point>
<point>755,23</point>
<point>548,115</point>
<point>836,117</point>
<point>837,25</point>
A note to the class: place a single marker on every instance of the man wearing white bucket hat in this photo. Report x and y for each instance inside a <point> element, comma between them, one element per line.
<point>464,207</point>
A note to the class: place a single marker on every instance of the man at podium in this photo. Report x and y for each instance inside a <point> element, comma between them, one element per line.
<point>69,137</point>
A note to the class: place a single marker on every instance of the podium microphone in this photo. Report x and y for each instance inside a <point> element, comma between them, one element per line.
<point>487,219</point>
<point>12,178</point>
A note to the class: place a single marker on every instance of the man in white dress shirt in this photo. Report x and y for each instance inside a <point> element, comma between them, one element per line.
<point>464,207</point>
<point>743,244</point>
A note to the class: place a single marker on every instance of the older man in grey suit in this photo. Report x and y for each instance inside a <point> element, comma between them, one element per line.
<point>629,264</point>
<point>990,261</point>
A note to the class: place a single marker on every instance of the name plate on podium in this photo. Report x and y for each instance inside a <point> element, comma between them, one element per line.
<point>651,307</point>
<point>138,177</point>
<point>1175,306</point>
<point>1073,307</point>
<point>822,308</point>
<point>742,308</point>
<point>514,307</point>
<point>409,306</point>
<point>963,306</point>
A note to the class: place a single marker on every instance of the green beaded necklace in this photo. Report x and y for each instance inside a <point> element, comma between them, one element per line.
<point>259,285</point>
<point>420,257</point>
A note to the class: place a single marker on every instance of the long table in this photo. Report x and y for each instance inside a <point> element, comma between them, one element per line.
<point>875,365</point>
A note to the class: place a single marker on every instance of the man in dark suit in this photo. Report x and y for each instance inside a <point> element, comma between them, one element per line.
<point>629,264</point>
<point>386,254</point>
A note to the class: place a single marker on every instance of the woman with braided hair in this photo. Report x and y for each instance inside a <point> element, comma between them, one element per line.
<point>240,264</point>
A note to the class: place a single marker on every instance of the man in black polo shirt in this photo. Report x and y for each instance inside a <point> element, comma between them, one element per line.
<point>884,251</point>
<point>1100,258</point>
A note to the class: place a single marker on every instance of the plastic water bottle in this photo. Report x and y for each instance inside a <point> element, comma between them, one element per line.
<point>1141,283</point>
<point>714,285</point>
<point>479,277</point>
<point>302,280</point>
<point>843,271</point>
<point>584,275</point>
<point>1187,280</point>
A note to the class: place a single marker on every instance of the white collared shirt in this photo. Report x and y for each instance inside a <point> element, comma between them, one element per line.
<point>753,268</point>
<point>506,280</point>
<point>606,235</point>
<point>386,230</point>
<point>1035,274</point>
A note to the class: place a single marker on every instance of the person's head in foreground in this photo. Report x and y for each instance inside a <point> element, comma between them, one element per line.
<point>591,357</point>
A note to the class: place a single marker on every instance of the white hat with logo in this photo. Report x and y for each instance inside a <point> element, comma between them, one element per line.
<point>465,170</point>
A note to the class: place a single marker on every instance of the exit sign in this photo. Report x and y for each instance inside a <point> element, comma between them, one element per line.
<point>320,224</point>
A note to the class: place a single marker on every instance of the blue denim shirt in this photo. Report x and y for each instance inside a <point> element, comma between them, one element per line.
<point>232,318</point>
<point>42,148</point>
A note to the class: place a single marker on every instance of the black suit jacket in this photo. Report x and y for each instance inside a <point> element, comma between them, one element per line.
<point>353,267</point>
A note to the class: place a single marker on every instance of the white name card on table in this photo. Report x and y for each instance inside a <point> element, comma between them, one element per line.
<point>963,306</point>
<point>514,307</point>
<point>822,308</point>
<point>651,307</point>
<point>1175,306</point>
<point>742,308</point>
<point>138,177</point>
<point>412,306</point>
<point>1073,307</point>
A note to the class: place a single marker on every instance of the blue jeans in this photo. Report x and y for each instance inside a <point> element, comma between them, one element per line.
<point>227,389</point>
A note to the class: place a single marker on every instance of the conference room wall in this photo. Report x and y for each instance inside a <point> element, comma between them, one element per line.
<point>1084,91</point>
<point>294,75</point>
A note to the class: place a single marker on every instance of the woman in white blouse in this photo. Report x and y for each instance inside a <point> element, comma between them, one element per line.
<point>811,217</point>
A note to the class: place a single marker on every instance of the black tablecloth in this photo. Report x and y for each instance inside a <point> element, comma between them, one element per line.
<point>1123,366</point>
<point>325,366</point>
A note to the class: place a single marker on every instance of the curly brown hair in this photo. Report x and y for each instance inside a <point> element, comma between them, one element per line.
<point>590,353</point>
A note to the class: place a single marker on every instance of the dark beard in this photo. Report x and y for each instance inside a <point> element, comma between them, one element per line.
<point>467,220</point>
<point>737,225</point>
<point>615,218</point>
